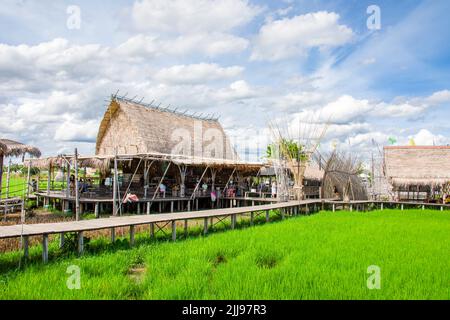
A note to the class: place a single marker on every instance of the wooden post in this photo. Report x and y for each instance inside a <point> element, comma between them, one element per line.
<point>382,206</point>
<point>171,206</point>
<point>77,191</point>
<point>351,207</point>
<point>66,203</point>
<point>148,207</point>
<point>282,213</point>
<point>174,230</point>
<point>113,235</point>
<point>423,207</point>
<point>115,186</point>
<point>28,178</point>
<point>152,230</point>
<point>233,221</point>
<point>49,179</point>
<point>8,178</point>
<point>45,248</point>
<point>189,205</point>
<point>205,225</point>
<point>334,207</point>
<point>25,247</point>
<point>267,215</point>
<point>251,218</point>
<point>131,235</point>
<point>185,228</point>
<point>402,206</point>
<point>61,240</point>
<point>97,210</point>
<point>80,243</point>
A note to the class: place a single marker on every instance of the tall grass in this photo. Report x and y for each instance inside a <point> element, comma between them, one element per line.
<point>322,256</point>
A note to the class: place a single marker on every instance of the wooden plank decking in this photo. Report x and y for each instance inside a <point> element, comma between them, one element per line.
<point>114,222</point>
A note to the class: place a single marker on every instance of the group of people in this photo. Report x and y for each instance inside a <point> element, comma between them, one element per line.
<point>84,185</point>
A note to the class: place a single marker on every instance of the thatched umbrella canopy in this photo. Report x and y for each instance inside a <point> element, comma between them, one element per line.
<point>10,148</point>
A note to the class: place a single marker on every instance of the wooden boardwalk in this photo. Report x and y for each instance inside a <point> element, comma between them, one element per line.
<point>292,207</point>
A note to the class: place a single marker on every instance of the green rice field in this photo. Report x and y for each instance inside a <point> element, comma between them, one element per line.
<point>320,256</point>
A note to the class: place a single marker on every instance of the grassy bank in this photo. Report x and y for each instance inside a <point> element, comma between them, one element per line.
<point>322,256</point>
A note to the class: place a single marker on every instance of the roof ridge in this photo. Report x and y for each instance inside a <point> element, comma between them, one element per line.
<point>208,118</point>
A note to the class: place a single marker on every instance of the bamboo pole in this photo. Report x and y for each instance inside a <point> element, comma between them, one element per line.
<point>115,185</point>
<point>77,193</point>
<point>8,178</point>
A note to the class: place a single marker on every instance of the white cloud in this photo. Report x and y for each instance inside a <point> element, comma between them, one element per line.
<point>238,90</point>
<point>77,131</point>
<point>194,16</point>
<point>209,44</point>
<point>426,138</point>
<point>290,37</point>
<point>197,73</point>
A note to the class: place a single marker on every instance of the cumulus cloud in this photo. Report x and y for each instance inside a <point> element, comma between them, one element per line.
<point>197,73</point>
<point>290,37</point>
<point>426,138</point>
<point>208,44</point>
<point>195,16</point>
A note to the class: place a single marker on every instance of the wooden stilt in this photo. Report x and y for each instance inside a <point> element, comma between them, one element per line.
<point>113,235</point>
<point>267,215</point>
<point>205,225</point>
<point>132,236</point>
<point>97,213</point>
<point>152,230</point>
<point>80,243</point>
<point>45,248</point>
<point>233,221</point>
<point>61,240</point>
<point>25,246</point>
<point>171,206</point>
<point>174,231</point>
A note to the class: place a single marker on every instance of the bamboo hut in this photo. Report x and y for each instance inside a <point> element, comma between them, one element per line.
<point>417,172</point>
<point>142,147</point>
<point>10,148</point>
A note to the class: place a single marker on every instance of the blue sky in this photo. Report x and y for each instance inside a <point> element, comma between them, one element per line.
<point>248,61</point>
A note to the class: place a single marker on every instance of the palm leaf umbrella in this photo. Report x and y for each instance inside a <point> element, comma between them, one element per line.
<point>10,148</point>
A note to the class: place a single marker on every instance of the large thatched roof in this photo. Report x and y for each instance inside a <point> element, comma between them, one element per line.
<point>104,162</point>
<point>417,165</point>
<point>10,148</point>
<point>132,128</point>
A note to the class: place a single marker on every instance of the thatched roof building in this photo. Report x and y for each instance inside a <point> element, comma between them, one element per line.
<point>417,165</point>
<point>132,128</point>
<point>10,148</point>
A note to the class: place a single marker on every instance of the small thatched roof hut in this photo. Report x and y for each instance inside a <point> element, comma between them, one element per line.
<point>10,148</point>
<point>132,128</point>
<point>417,165</point>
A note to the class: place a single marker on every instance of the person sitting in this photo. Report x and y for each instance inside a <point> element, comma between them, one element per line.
<point>162,189</point>
<point>204,188</point>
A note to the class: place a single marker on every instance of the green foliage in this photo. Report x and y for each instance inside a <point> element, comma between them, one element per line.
<point>289,149</point>
<point>320,256</point>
